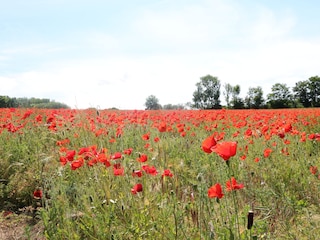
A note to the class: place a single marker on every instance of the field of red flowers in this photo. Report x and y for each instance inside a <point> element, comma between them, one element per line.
<point>185,174</point>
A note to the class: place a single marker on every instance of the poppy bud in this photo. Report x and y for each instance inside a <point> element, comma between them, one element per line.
<point>250,219</point>
<point>37,194</point>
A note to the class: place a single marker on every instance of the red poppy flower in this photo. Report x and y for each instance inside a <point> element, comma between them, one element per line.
<point>248,132</point>
<point>118,171</point>
<point>116,155</point>
<point>7,213</point>
<point>88,152</point>
<point>63,160</point>
<point>311,136</point>
<point>27,114</point>
<point>117,165</point>
<point>102,157</point>
<point>266,152</point>
<point>83,150</point>
<point>286,141</point>
<point>92,162</point>
<point>146,136</point>
<point>233,185</point>
<point>142,158</point>
<point>208,144</point>
<point>70,155</point>
<point>147,145</point>
<point>281,134</point>
<point>150,170</point>
<point>303,138</point>
<point>37,194</point>
<point>128,151</point>
<point>167,173</point>
<point>137,173</point>
<point>162,127</point>
<point>137,188</point>
<point>62,142</point>
<point>39,118</point>
<point>76,164</point>
<point>107,163</point>
<point>313,169</point>
<point>215,191</point>
<point>287,127</point>
<point>183,134</point>
<point>243,157</point>
<point>226,150</point>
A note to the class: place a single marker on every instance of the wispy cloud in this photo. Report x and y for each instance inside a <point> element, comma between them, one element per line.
<point>161,49</point>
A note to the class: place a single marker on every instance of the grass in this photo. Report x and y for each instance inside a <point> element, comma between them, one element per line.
<point>91,201</point>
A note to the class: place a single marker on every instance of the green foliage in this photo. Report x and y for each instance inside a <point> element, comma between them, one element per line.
<point>254,98</point>
<point>207,95</point>
<point>307,92</point>
<point>227,93</point>
<point>302,93</point>
<point>7,102</point>
<point>173,106</point>
<point>314,88</point>
<point>152,103</point>
<point>236,101</point>
<point>24,155</point>
<point>280,97</point>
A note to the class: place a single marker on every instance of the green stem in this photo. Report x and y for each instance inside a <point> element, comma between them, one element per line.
<point>234,199</point>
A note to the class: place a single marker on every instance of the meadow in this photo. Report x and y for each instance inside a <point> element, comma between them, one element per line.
<point>178,174</point>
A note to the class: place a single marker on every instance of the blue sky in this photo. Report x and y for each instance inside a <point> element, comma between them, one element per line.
<point>116,53</point>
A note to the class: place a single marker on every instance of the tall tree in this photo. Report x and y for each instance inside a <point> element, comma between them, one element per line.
<point>173,106</point>
<point>152,103</point>
<point>314,87</point>
<point>254,98</point>
<point>207,94</point>
<point>7,102</point>
<point>302,93</point>
<point>236,101</point>
<point>227,93</point>
<point>280,96</point>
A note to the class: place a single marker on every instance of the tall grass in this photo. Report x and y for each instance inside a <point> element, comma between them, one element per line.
<point>91,202</point>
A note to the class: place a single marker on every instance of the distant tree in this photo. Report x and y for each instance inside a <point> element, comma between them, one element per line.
<point>152,103</point>
<point>207,94</point>
<point>227,93</point>
<point>7,102</point>
<point>188,105</point>
<point>314,88</point>
<point>50,105</point>
<point>13,103</point>
<point>254,98</point>
<point>173,106</point>
<point>302,93</point>
<point>236,101</point>
<point>23,102</point>
<point>280,96</point>
<point>34,101</point>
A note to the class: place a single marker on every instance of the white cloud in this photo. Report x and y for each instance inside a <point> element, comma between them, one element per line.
<point>269,28</point>
<point>187,27</point>
<point>164,52</point>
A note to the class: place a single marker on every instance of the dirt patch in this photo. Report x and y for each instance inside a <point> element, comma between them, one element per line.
<point>19,226</point>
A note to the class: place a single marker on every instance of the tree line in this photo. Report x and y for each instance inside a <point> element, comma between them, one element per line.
<point>207,95</point>
<point>7,102</point>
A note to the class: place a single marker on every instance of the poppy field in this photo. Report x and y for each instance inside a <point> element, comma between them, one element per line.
<point>164,174</point>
